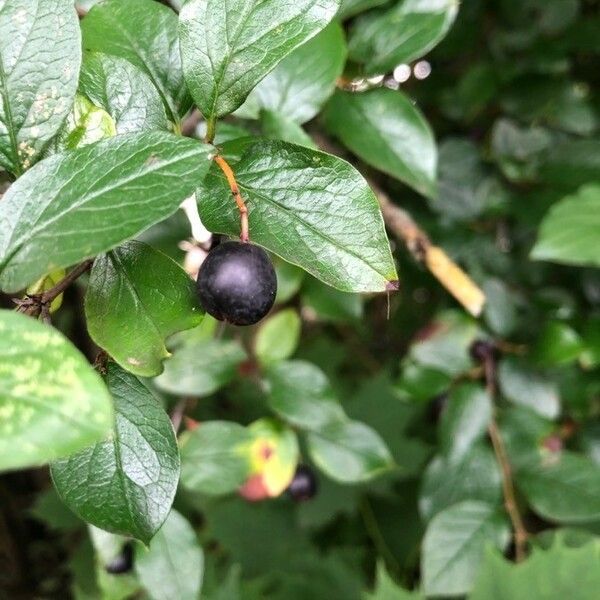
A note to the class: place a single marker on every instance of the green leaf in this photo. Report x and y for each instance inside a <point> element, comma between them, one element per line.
<point>299,392</point>
<point>475,477</point>
<point>278,336</point>
<point>465,189</point>
<point>349,8</point>
<point>85,124</point>
<point>558,343</point>
<point>201,368</point>
<point>570,232</point>
<point>40,56</point>
<point>349,452</point>
<point>572,164</point>
<point>277,126</point>
<point>312,209</point>
<point>385,129</point>
<point>561,486</point>
<point>526,387</point>
<point>228,47</point>
<point>553,574</point>
<point>136,298</point>
<point>124,91</point>
<point>301,83</point>
<point>92,199</point>
<point>454,545</point>
<point>386,589</point>
<point>173,566</point>
<point>125,484</point>
<point>464,421</point>
<point>444,346</point>
<point>215,458</point>
<point>385,38</point>
<point>323,303</point>
<point>145,34</point>
<point>52,403</point>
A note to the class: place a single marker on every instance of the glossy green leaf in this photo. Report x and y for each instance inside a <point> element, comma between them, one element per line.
<point>300,393</point>
<point>173,566</point>
<point>125,484</point>
<point>145,34</point>
<point>475,477</point>
<point>301,83</point>
<point>553,574</point>
<point>201,368</point>
<point>215,458</point>
<point>52,403</point>
<point>228,47</point>
<point>277,126</point>
<point>454,546</point>
<point>411,28</point>
<point>349,452</point>
<point>40,56</point>
<point>124,91</point>
<point>561,486</point>
<point>385,129</point>
<point>312,209</point>
<point>570,232</point>
<point>136,298</point>
<point>278,337</point>
<point>464,420</point>
<point>526,387</point>
<point>92,199</point>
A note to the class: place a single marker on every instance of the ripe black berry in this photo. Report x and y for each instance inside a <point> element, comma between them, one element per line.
<point>122,563</point>
<point>481,351</point>
<point>237,283</point>
<point>304,485</point>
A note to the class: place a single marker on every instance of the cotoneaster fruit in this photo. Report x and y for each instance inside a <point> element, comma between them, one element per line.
<point>237,283</point>
<point>304,485</point>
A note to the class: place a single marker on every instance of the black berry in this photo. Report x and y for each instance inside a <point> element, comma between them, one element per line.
<point>304,485</point>
<point>482,351</point>
<point>237,283</point>
<point>122,563</point>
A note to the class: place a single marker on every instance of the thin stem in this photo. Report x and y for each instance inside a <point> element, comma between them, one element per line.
<point>508,489</point>
<point>211,130</point>
<point>49,295</point>
<point>235,190</point>
<point>39,304</point>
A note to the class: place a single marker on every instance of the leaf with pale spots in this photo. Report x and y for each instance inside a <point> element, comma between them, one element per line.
<point>40,55</point>
<point>52,403</point>
<point>125,484</point>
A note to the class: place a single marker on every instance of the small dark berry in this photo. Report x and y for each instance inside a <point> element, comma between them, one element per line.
<point>304,485</point>
<point>237,283</point>
<point>481,351</point>
<point>122,563</point>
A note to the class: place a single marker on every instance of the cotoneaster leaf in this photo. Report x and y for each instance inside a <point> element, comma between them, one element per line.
<point>92,199</point>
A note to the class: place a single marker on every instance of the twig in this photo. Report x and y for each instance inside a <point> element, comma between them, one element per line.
<point>37,304</point>
<point>508,489</point>
<point>235,190</point>
<point>178,413</point>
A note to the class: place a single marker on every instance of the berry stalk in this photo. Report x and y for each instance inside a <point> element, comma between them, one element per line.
<point>235,190</point>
